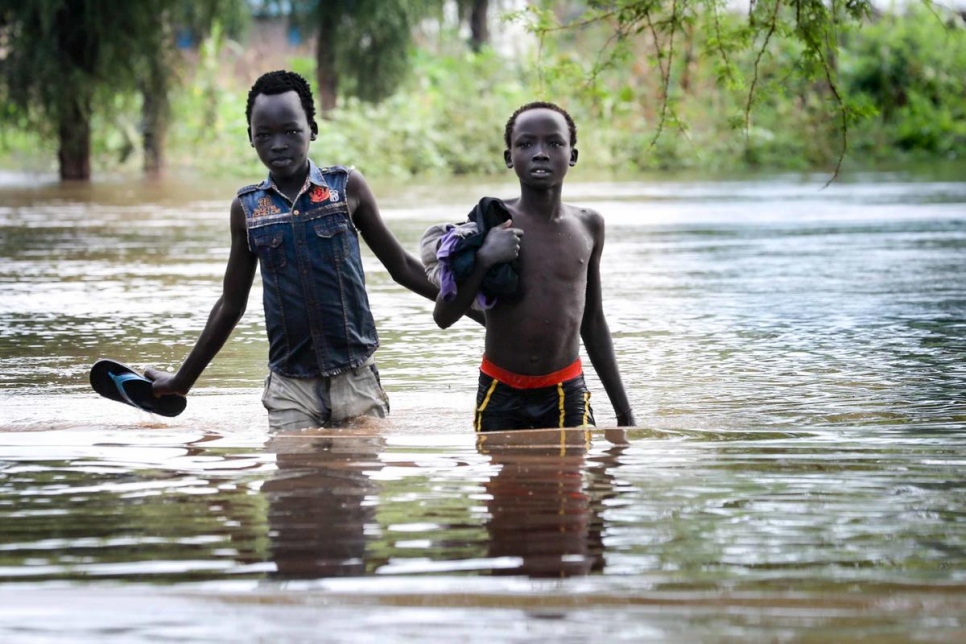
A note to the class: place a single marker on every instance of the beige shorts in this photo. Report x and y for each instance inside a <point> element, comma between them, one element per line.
<point>300,403</point>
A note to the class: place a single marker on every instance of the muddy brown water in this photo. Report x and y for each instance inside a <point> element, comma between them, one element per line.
<point>796,358</point>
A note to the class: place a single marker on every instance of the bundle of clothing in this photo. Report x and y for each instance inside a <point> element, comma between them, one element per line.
<point>448,252</point>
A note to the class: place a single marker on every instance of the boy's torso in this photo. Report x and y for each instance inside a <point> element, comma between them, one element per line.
<point>541,333</point>
<point>316,307</point>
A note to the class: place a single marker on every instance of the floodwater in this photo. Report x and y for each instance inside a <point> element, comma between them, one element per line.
<point>796,358</point>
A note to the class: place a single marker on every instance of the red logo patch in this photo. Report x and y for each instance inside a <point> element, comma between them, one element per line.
<point>319,194</point>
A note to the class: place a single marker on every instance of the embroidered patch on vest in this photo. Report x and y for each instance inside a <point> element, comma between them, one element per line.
<point>265,207</point>
<point>319,194</point>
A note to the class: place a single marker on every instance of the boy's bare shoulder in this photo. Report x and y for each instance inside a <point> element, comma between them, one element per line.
<point>589,217</point>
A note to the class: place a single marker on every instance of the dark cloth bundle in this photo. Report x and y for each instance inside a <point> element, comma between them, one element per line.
<point>502,280</point>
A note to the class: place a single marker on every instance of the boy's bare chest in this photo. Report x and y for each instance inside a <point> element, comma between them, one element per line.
<point>556,250</point>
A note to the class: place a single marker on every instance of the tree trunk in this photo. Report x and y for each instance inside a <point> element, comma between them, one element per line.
<point>688,58</point>
<point>479,29</point>
<point>325,73</point>
<point>74,152</point>
<point>78,52</point>
<point>154,120</point>
<point>156,105</point>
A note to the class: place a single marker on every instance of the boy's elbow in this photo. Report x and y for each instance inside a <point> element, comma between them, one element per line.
<point>233,310</point>
<point>444,318</point>
<point>442,321</point>
<point>398,275</point>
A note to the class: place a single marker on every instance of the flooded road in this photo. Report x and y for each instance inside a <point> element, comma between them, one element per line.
<point>796,358</point>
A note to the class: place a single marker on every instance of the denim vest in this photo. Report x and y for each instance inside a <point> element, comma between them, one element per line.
<point>316,307</point>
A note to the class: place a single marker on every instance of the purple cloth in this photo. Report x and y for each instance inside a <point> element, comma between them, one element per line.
<point>447,279</point>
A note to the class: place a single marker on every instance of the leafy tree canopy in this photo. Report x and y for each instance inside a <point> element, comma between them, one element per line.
<point>658,30</point>
<point>56,53</point>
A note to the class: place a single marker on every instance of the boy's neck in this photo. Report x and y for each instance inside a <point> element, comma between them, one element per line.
<point>292,185</point>
<point>541,203</point>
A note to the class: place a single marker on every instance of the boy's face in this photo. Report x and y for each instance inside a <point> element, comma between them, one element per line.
<point>281,133</point>
<point>540,151</point>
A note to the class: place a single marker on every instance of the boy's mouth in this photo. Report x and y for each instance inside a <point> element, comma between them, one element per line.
<point>281,162</point>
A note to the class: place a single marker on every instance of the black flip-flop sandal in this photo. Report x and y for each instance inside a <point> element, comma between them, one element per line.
<point>117,381</point>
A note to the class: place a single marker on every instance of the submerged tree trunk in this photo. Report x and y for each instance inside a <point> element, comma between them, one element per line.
<point>74,133</point>
<point>155,122</point>
<point>155,111</point>
<point>156,104</point>
<point>325,66</point>
<point>78,52</point>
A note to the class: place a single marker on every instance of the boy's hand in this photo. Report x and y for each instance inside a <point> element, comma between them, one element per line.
<point>616,436</point>
<point>502,244</point>
<point>164,383</point>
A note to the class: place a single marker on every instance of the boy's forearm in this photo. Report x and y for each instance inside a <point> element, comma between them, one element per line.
<point>618,396</point>
<point>600,350</point>
<point>413,277</point>
<point>447,313</point>
<point>221,323</point>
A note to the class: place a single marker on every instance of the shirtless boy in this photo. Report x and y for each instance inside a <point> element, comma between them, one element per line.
<point>531,376</point>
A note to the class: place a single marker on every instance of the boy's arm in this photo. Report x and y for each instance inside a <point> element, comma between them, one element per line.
<point>596,334</point>
<point>228,310</point>
<point>502,244</point>
<point>404,268</point>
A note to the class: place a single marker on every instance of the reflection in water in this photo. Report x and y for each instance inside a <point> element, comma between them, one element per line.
<point>320,501</point>
<point>544,505</point>
<point>545,520</point>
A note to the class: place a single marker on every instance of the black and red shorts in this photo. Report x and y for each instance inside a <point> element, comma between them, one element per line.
<point>506,400</point>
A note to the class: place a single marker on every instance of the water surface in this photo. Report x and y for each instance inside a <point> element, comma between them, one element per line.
<point>794,355</point>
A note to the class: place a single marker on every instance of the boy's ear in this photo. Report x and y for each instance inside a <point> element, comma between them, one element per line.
<point>315,130</point>
<point>573,157</point>
<point>507,159</point>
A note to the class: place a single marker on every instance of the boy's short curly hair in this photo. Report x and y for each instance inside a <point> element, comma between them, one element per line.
<point>279,82</point>
<point>508,131</point>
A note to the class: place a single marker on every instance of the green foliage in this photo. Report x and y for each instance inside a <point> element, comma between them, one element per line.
<point>233,17</point>
<point>371,40</point>
<point>448,119</point>
<point>65,64</point>
<point>730,94</point>
<point>783,84</point>
<point>910,67</point>
<point>57,52</point>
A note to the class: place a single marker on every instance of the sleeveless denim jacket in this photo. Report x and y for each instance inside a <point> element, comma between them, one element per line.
<point>316,307</point>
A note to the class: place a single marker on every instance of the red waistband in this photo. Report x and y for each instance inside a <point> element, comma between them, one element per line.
<point>531,382</point>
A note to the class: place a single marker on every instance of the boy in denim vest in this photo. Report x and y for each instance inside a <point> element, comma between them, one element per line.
<point>531,376</point>
<point>301,226</point>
